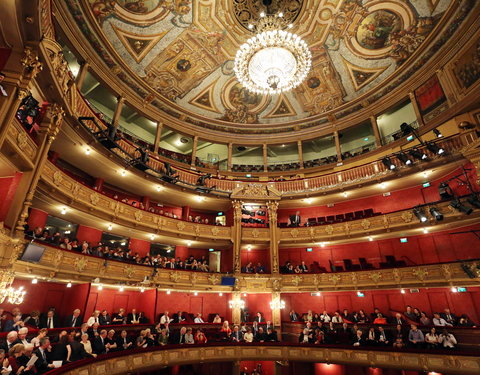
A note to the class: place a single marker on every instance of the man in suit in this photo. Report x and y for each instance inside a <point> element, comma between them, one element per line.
<point>123,341</point>
<point>358,340</point>
<point>94,332</point>
<point>295,220</point>
<point>43,353</point>
<point>383,338</point>
<point>237,335</point>
<point>104,319</point>
<point>74,320</point>
<point>14,324</point>
<point>344,334</point>
<point>133,317</point>
<point>99,346</point>
<point>49,321</point>
<point>293,316</point>
<point>260,336</point>
<point>268,325</point>
<point>12,339</point>
<point>271,335</point>
<point>449,317</point>
<point>259,318</point>
<point>179,337</point>
<point>398,319</point>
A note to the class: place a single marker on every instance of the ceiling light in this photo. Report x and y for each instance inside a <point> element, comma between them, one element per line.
<point>454,290</point>
<point>250,26</point>
<point>425,230</point>
<point>388,163</point>
<point>437,133</point>
<point>434,148</point>
<point>152,237</point>
<point>195,293</point>
<point>189,243</point>
<point>370,238</point>
<point>420,214</point>
<point>402,291</point>
<point>159,188</point>
<point>121,289</point>
<point>199,198</point>
<point>249,247</point>
<point>308,200</point>
<point>322,244</point>
<point>87,151</point>
<point>123,173</point>
<point>69,285</point>
<point>109,227</point>
<point>63,211</point>
<point>345,194</point>
<point>244,294</point>
<point>34,281</point>
<point>99,287</point>
<point>168,292</point>
<point>274,60</point>
<point>142,289</point>
<point>382,185</point>
<point>280,14</point>
<point>220,294</point>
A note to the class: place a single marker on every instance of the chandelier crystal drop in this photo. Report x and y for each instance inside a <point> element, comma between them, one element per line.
<point>277,304</point>
<point>236,304</point>
<point>272,61</point>
<point>11,295</point>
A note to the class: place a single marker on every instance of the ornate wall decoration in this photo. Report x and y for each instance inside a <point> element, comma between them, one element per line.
<point>174,276</point>
<point>129,271</point>
<point>94,198</point>
<point>58,178</point>
<point>467,67</point>
<point>21,140</point>
<point>80,264</point>
<point>138,215</point>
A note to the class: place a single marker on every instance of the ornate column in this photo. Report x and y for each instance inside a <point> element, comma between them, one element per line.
<point>276,311</point>
<point>229,158</point>
<point>50,127</point>
<point>418,114</point>
<point>272,207</point>
<point>265,158</point>
<point>194,150</point>
<point>447,86</point>
<point>300,153</point>
<point>337,146</point>
<point>158,136</point>
<point>16,85</point>
<point>82,74</point>
<point>236,310</point>
<point>118,111</point>
<point>237,236</point>
<point>376,131</point>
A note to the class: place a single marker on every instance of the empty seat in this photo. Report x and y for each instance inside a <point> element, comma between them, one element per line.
<point>349,266</point>
<point>330,219</point>
<point>311,221</point>
<point>321,220</point>
<point>349,216</point>
<point>339,218</point>
<point>368,212</point>
<point>364,265</point>
<point>358,214</point>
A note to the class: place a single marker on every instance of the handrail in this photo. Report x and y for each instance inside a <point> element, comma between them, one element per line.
<point>150,358</point>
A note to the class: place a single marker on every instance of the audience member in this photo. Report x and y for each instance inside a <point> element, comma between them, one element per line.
<point>439,321</point>
<point>432,339</point>
<point>447,339</point>
<point>416,338</point>
<point>74,320</point>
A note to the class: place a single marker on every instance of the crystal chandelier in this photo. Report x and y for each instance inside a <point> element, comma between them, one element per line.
<point>274,60</point>
<point>277,304</point>
<point>236,304</point>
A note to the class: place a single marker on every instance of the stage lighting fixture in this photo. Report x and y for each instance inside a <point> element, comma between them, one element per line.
<point>474,201</point>
<point>406,129</point>
<point>445,191</point>
<point>437,133</point>
<point>417,154</point>
<point>420,214</point>
<point>433,147</point>
<point>404,158</point>
<point>436,213</point>
<point>388,163</point>
<point>460,207</point>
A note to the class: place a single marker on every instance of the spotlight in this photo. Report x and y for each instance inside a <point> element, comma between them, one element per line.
<point>433,147</point>
<point>406,129</point>
<point>445,191</point>
<point>417,154</point>
<point>388,163</point>
<point>460,207</point>
<point>99,287</point>
<point>418,212</point>
<point>437,215</point>
<point>34,281</point>
<point>69,285</point>
<point>220,294</point>
<point>402,291</point>
<point>168,291</point>
<point>437,133</point>
<point>404,158</point>
<point>474,201</point>
<point>454,289</point>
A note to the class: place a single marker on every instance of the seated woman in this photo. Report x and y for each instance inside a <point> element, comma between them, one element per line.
<point>380,319</point>
<point>248,336</point>
<point>226,328</point>
<point>305,337</point>
<point>217,319</point>
<point>18,360</point>
<point>149,338</point>
<point>41,334</point>
<point>87,345</point>
<point>111,340</point>
<point>163,337</point>
<point>33,320</point>
<point>189,339</point>
<point>432,339</point>
<point>200,337</point>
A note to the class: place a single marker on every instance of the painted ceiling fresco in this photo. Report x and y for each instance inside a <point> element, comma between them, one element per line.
<point>184,49</point>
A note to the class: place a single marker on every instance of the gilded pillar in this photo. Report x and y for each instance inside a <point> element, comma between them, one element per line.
<point>276,311</point>
<point>300,153</point>
<point>82,73</point>
<point>337,146</point>
<point>272,207</point>
<point>418,114</point>
<point>229,158</point>
<point>376,131</point>
<point>50,127</point>
<point>265,158</point>
<point>118,111</point>
<point>158,137</point>
<point>194,150</point>
<point>237,236</point>
<point>236,309</point>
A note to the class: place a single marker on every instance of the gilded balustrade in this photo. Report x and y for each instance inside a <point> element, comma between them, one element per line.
<point>168,356</point>
<point>21,144</point>
<point>92,201</point>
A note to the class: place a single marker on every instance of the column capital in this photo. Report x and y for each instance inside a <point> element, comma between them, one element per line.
<point>30,62</point>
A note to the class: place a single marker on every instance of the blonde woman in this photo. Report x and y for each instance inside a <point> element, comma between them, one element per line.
<point>226,328</point>
<point>93,319</point>
<point>41,334</point>
<point>217,319</point>
<point>87,345</point>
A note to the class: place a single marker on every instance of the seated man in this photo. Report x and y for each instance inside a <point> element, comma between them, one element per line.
<point>295,220</point>
<point>259,268</point>
<point>237,335</point>
<point>293,316</point>
<point>74,320</point>
<point>447,340</point>
<point>410,314</point>
<point>439,321</point>
<point>449,317</point>
<point>382,337</point>
<point>198,319</point>
<point>99,344</point>
<point>133,317</point>
<point>358,340</point>
<point>271,335</point>
<point>416,339</point>
<point>49,321</point>
<point>43,363</point>
<point>165,318</point>
<point>261,335</point>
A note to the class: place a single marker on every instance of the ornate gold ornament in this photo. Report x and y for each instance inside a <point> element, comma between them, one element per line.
<point>407,217</point>
<point>255,233</point>
<point>80,264</point>
<point>375,276</point>
<point>214,279</point>
<point>420,273</point>
<point>180,225</point>
<point>174,276</point>
<point>94,198</point>
<point>365,224</point>
<point>21,140</point>
<point>294,232</point>
<point>215,231</point>
<point>138,215</point>
<point>296,280</point>
<point>57,178</point>
<point>329,229</point>
<point>30,62</point>
<point>129,271</point>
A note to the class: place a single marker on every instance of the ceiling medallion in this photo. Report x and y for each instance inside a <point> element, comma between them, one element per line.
<point>274,60</point>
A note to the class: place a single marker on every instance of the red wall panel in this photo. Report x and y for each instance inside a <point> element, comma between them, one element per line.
<point>91,235</point>
<point>258,303</point>
<point>37,218</point>
<point>8,186</point>
<point>139,246</point>
<point>255,256</point>
<point>268,367</point>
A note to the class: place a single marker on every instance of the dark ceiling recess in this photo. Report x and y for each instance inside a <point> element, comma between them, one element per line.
<point>184,140</point>
<point>241,148</point>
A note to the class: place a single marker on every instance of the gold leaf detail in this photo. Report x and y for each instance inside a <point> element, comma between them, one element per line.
<point>407,216</point>
<point>294,233</point>
<point>329,229</point>
<point>255,233</point>
<point>138,215</point>
<point>94,198</point>
<point>80,264</point>
<point>57,178</point>
<point>215,231</point>
<point>129,271</point>
<point>296,280</point>
<point>213,279</point>
<point>174,276</point>
<point>181,225</point>
<point>365,224</point>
